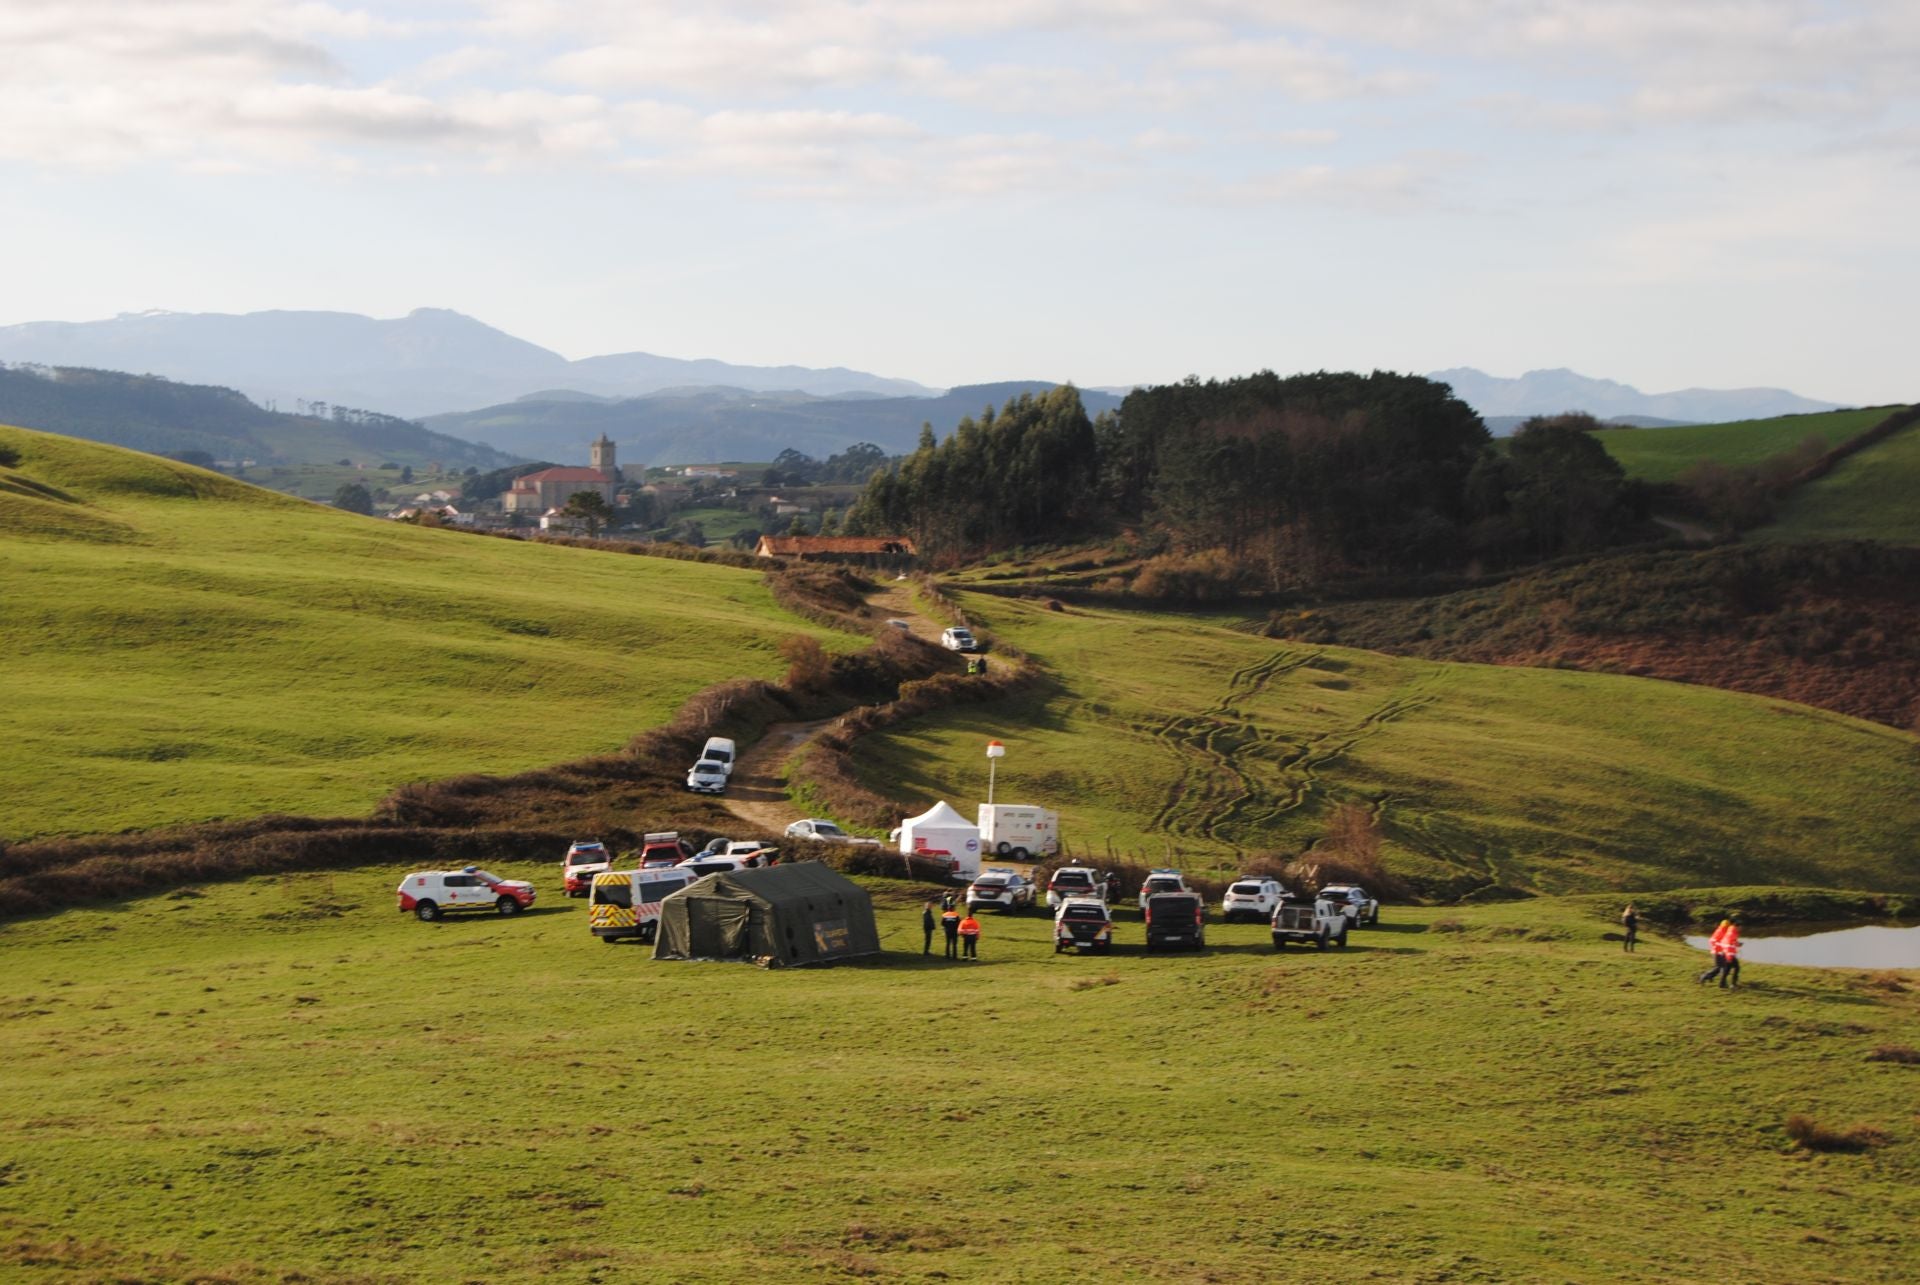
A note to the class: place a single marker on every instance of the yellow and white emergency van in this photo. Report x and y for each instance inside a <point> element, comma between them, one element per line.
<point>626,903</point>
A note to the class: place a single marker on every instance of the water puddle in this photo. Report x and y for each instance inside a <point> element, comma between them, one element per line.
<point>1868,947</point>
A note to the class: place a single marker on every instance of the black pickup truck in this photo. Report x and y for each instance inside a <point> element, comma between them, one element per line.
<point>1175,919</point>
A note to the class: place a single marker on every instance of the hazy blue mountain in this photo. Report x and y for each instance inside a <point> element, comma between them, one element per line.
<point>157,415</point>
<point>429,361</point>
<point>695,426</point>
<point>1550,392</point>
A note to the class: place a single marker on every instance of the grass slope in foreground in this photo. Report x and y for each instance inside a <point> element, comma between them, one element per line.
<point>247,1084</point>
<point>1663,454</point>
<point>181,646</point>
<point>1870,495</point>
<point>1168,733</point>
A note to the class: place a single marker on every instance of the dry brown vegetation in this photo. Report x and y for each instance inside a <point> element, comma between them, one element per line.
<point>1814,1136</point>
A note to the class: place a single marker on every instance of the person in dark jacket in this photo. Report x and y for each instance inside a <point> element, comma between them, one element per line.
<point>950,924</point>
<point>1630,922</point>
<point>926,926</point>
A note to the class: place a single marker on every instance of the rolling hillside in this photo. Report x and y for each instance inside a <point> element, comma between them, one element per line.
<point>182,646</point>
<point>1166,736</point>
<point>1870,495</point>
<point>147,413</point>
<point>1663,454</point>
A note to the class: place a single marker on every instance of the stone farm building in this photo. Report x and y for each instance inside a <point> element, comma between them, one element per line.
<point>551,488</point>
<point>865,550</point>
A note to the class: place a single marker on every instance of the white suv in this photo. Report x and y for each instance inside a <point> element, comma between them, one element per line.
<point>1004,889</point>
<point>1252,898</point>
<point>1352,901</point>
<point>1162,879</point>
<point>1074,881</point>
<point>428,894</point>
<point>959,638</point>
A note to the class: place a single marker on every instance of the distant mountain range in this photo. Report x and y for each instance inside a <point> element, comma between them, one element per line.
<point>1550,392</point>
<point>165,418</point>
<point>707,425</point>
<point>430,360</point>
<point>482,384</point>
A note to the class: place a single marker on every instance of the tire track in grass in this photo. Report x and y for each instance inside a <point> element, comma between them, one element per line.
<point>1195,744</point>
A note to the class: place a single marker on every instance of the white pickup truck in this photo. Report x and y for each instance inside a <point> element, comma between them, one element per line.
<point>1319,923</point>
<point>826,832</point>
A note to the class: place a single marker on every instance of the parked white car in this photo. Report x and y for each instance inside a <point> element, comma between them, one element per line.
<point>1001,889</point>
<point>959,638</point>
<point>1353,901</point>
<point>1162,879</point>
<point>1075,881</point>
<point>825,832</point>
<point>707,777</point>
<point>428,894</point>
<point>1251,899</point>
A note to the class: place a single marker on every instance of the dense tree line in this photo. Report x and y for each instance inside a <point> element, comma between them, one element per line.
<point>1279,480</point>
<point>1030,472</point>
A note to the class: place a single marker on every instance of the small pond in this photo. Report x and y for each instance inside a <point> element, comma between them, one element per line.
<point>1867,947</point>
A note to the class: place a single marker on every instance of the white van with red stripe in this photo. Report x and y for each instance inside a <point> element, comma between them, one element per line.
<point>626,903</point>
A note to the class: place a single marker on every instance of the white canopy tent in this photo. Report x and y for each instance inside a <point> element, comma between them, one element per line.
<point>941,830</point>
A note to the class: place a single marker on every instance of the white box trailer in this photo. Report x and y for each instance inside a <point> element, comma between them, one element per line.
<point>1019,830</point>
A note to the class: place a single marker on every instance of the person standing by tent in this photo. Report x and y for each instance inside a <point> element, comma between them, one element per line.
<point>950,924</point>
<point>926,926</point>
<point>1630,921</point>
<point>970,935</point>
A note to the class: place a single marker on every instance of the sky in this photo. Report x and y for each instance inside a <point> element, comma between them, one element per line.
<point>1671,193</point>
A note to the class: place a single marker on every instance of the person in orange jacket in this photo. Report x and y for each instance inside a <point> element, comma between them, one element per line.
<point>970,936</point>
<point>1725,945</point>
<point>950,925</point>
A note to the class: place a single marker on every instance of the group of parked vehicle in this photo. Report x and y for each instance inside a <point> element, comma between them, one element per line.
<point>623,903</point>
<point>1174,914</point>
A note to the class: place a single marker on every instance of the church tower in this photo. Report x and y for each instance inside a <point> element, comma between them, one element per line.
<point>603,458</point>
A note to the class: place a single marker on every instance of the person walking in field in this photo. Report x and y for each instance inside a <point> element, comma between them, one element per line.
<point>1725,945</point>
<point>1630,921</point>
<point>970,935</point>
<point>926,926</point>
<point>950,924</point>
<point>1730,952</point>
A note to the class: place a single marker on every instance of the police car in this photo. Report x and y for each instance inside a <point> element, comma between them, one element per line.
<point>428,894</point>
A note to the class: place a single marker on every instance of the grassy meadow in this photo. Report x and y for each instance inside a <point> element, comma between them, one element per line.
<point>181,646</point>
<point>1663,454</point>
<point>1165,737</point>
<point>1869,495</point>
<point>286,1080</point>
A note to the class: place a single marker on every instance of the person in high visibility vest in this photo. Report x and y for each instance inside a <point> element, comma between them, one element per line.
<point>970,935</point>
<point>1725,945</point>
<point>950,924</point>
<point>1730,952</point>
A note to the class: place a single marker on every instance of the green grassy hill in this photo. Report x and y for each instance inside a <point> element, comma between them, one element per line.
<point>181,646</point>
<point>1164,736</point>
<point>283,1080</point>
<point>1663,454</point>
<point>1870,495</point>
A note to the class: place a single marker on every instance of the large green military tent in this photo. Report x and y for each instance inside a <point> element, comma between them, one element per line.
<point>798,914</point>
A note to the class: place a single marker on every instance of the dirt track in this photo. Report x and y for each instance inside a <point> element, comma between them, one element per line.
<point>757,793</point>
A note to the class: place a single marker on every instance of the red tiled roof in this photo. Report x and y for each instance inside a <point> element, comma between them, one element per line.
<point>561,475</point>
<point>800,545</point>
